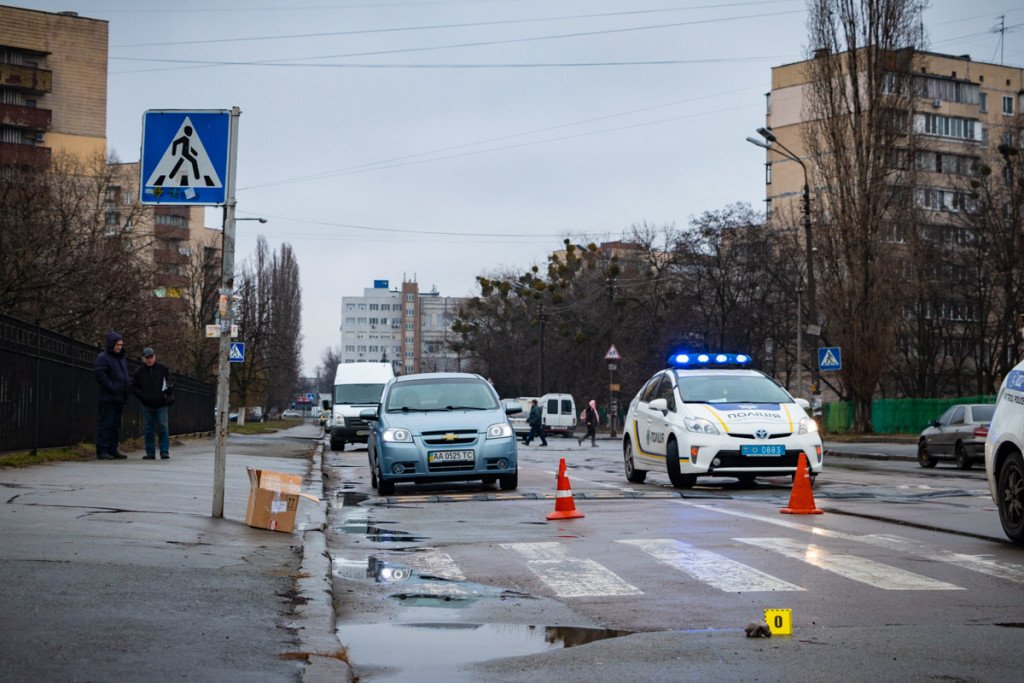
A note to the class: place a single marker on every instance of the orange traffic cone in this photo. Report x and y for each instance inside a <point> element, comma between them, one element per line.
<point>565,507</point>
<point>801,499</point>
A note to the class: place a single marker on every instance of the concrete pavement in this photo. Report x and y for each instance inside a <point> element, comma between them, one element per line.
<point>115,570</point>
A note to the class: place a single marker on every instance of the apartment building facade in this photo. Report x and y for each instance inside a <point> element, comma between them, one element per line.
<point>404,326</point>
<point>53,86</point>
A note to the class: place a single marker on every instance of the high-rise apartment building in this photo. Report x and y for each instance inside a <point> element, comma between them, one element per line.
<point>409,328</point>
<point>53,85</point>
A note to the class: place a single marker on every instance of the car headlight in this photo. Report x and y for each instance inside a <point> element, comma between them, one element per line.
<point>397,435</point>
<point>807,426</point>
<point>500,430</point>
<point>700,425</point>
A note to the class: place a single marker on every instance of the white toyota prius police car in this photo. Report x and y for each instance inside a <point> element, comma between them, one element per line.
<point>706,415</point>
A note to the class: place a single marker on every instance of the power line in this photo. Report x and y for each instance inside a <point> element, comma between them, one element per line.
<point>199,63</point>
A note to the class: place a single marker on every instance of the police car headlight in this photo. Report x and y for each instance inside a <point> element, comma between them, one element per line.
<point>807,426</point>
<point>397,435</point>
<point>499,431</point>
<point>699,425</point>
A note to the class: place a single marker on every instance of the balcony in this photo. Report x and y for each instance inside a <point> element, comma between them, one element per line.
<point>33,118</point>
<point>169,232</point>
<point>26,78</point>
<point>13,154</point>
<point>167,256</point>
<point>170,281</point>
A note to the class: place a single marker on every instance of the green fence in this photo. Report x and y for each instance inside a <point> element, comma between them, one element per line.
<point>894,415</point>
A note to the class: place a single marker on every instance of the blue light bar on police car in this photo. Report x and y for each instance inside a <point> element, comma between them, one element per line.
<point>682,360</point>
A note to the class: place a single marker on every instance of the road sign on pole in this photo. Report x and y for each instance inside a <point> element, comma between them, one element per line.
<point>237,352</point>
<point>830,358</point>
<point>613,353</point>
<point>185,157</point>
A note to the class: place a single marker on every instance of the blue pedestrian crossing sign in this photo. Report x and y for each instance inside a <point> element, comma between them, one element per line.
<point>830,358</point>
<point>184,157</point>
<point>237,352</point>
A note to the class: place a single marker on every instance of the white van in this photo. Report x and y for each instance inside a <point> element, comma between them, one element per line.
<point>559,414</point>
<point>356,386</point>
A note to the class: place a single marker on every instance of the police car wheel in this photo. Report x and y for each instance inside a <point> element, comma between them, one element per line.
<point>633,475</point>
<point>1010,495</point>
<point>924,456</point>
<point>678,479</point>
<point>746,479</point>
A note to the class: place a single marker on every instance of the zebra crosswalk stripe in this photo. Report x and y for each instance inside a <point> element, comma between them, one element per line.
<point>851,567</point>
<point>713,569</point>
<point>570,577</point>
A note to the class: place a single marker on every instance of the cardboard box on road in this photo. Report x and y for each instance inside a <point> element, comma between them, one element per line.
<point>274,499</point>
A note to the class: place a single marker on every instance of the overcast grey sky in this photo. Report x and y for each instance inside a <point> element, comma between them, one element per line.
<point>438,140</point>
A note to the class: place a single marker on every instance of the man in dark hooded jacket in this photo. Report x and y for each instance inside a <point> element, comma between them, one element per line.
<point>111,371</point>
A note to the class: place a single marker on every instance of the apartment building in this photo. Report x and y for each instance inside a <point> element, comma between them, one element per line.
<point>405,326</point>
<point>53,86</point>
<point>962,107</point>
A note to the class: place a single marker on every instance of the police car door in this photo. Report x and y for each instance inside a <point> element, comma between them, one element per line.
<point>661,422</point>
<point>649,438</point>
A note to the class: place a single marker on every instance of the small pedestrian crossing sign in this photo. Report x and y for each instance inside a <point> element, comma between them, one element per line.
<point>830,358</point>
<point>184,157</point>
<point>236,354</point>
<point>613,353</point>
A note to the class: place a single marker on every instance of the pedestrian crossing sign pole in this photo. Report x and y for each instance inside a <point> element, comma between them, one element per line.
<point>188,158</point>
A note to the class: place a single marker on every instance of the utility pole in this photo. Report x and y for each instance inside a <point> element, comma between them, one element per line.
<point>227,285</point>
<point>612,411</point>
<point>541,318</point>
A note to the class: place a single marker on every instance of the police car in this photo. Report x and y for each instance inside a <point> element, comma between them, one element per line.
<point>1004,465</point>
<point>707,415</point>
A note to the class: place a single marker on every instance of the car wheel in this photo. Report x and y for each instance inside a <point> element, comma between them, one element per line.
<point>924,457</point>
<point>678,479</point>
<point>385,488</point>
<point>1010,495</point>
<point>746,479</point>
<point>337,444</point>
<point>509,482</point>
<point>373,470</point>
<point>633,475</point>
<point>963,461</point>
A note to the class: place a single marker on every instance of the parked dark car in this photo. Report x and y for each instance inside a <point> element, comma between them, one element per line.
<point>958,435</point>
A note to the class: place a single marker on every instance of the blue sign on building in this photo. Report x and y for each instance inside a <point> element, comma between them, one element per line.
<point>830,358</point>
<point>184,157</point>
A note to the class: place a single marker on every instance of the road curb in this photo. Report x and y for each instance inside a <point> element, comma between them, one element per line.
<point>870,456</point>
<point>315,611</point>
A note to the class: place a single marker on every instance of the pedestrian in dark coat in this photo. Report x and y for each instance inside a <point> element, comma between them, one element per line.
<point>152,385</point>
<point>536,422</point>
<point>590,417</point>
<point>111,372</point>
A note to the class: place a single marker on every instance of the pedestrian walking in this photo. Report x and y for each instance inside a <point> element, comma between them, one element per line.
<point>536,423</point>
<point>111,372</point>
<point>589,416</point>
<point>152,385</point>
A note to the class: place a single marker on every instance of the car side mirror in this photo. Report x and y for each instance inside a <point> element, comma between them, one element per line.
<point>933,423</point>
<point>659,404</point>
<point>368,413</point>
<point>803,403</point>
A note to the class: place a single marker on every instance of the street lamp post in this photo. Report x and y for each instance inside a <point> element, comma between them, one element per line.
<point>771,143</point>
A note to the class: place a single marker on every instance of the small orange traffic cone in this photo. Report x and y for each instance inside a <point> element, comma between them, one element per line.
<point>801,499</point>
<point>565,507</point>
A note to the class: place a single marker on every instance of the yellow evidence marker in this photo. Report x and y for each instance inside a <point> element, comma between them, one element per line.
<point>780,621</point>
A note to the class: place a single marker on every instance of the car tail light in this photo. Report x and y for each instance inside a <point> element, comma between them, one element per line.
<point>981,432</point>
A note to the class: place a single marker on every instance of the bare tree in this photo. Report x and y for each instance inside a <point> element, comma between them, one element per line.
<point>859,107</point>
<point>284,327</point>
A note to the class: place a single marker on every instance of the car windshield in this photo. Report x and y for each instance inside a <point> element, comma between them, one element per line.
<point>982,413</point>
<point>730,389</point>
<point>358,394</point>
<point>454,393</point>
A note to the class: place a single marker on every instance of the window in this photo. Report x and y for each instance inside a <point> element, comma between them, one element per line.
<point>410,297</point>
<point>409,327</point>
<point>350,348</point>
<point>948,126</point>
<point>361,321</point>
<point>983,102</point>
<point>350,307</point>
<point>373,321</point>
<point>362,307</point>
<point>374,307</point>
<point>410,310</point>
<point>409,354</point>
<point>350,321</point>
<point>1007,105</point>
<point>768,173</point>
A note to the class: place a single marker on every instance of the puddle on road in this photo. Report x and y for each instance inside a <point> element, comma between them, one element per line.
<point>379,534</point>
<point>423,651</point>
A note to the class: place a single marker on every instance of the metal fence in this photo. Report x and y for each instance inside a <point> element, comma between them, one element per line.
<point>48,392</point>
<point>894,415</point>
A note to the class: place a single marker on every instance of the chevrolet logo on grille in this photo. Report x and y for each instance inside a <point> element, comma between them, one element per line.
<point>449,437</point>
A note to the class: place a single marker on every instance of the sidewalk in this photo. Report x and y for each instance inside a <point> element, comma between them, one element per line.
<point>115,570</point>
